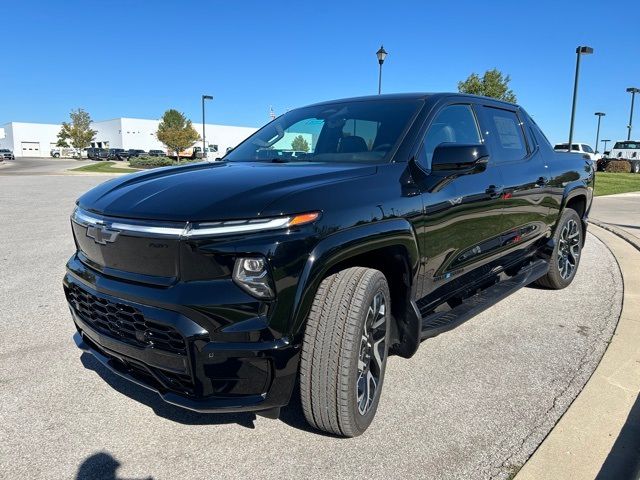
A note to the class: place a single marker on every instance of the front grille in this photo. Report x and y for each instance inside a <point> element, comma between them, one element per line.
<point>124,322</point>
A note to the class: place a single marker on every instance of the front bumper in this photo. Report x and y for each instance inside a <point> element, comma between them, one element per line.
<point>190,370</point>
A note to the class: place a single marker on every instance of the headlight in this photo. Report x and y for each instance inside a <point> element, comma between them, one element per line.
<point>248,226</point>
<point>252,275</point>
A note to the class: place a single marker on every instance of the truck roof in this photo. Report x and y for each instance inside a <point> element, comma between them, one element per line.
<point>410,96</point>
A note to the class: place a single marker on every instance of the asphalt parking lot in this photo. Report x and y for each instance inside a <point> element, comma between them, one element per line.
<point>473,403</point>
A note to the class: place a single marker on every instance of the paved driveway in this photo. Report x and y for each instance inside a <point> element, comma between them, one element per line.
<point>40,166</point>
<point>473,403</point>
<point>621,210</point>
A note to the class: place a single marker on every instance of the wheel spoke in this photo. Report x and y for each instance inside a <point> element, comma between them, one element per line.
<point>378,353</point>
<point>372,384</point>
<point>372,353</point>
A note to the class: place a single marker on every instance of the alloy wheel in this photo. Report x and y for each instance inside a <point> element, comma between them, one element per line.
<point>568,249</point>
<point>372,354</point>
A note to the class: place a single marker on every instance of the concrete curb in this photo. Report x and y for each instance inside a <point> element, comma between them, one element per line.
<point>593,439</point>
<point>617,231</point>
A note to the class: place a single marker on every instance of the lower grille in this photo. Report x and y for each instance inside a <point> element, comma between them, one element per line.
<point>157,377</point>
<point>124,322</point>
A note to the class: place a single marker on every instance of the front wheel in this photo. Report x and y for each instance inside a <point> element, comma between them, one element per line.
<point>567,252</point>
<point>344,353</point>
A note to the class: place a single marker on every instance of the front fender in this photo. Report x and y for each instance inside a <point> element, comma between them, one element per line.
<point>346,244</point>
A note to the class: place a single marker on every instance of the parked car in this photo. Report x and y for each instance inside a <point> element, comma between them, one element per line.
<point>136,153</point>
<point>157,153</point>
<point>626,150</point>
<point>97,153</point>
<point>221,285</point>
<point>118,154</point>
<point>582,148</point>
<point>6,154</point>
<point>65,152</point>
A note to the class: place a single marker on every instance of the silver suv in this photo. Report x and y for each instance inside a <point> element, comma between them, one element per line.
<point>6,154</point>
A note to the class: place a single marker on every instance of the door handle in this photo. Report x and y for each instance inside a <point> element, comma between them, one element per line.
<point>494,191</point>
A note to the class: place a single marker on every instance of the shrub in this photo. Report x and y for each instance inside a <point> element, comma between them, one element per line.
<point>618,166</point>
<point>154,162</point>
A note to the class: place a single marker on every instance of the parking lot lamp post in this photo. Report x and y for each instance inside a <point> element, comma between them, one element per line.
<point>632,91</point>
<point>579,52</point>
<point>381,54</point>
<point>599,115</point>
<point>604,149</point>
<point>204,143</point>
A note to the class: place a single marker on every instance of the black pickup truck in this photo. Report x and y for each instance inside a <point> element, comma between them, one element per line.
<point>118,154</point>
<point>222,285</point>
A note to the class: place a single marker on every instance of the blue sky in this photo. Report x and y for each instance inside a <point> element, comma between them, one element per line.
<point>138,58</point>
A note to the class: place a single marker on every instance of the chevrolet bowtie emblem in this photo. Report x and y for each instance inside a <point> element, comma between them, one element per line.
<point>101,234</point>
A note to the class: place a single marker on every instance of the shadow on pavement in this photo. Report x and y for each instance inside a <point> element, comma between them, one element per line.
<point>291,415</point>
<point>161,408</point>
<point>101,466</point>
<point>623,461</point>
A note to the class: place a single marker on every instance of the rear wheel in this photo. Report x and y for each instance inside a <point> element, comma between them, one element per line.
<point>636,167</point>
<point>344,353</point>
<point>567,252</point>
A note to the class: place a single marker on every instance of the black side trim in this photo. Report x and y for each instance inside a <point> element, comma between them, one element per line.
<point>440,322</point>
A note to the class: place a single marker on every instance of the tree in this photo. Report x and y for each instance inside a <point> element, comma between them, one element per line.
<point>492,84</point>
<point>78,131</point>
<point>176,132</point>
<point>300,144</point>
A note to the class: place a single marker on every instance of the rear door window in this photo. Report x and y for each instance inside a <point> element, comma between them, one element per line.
<point>504,128</point>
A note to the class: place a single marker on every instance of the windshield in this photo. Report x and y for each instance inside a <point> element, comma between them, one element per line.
<point>359,131</point>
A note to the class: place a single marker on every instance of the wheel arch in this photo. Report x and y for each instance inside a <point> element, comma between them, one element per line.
<point>389,246</point>
<point>578,199</point>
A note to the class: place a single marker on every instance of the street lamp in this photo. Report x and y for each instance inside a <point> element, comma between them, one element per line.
<point>204,142</point>
<point>604,149</point>
<point>381,54</point>
<point>579,52</point>
<point>599,115</point>
<point>632,91</point>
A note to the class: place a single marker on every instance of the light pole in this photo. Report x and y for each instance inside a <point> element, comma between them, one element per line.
<point>579,52</point>
<point>204,142</point>
<point>599,115</point>
<point>604,149</point>
<point>632,91</point>
<point>381,54</point>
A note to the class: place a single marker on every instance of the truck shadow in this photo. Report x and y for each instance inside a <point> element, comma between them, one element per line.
<point>291,415</point>
<point>161,408</point>
<point>101,466</point>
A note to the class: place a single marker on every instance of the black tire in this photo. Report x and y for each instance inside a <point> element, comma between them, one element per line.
<point>333,365</point>
<point>635,167</point>
<point>567,252</point>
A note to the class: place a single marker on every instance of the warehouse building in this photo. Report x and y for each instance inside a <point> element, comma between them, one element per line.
<point>38,139</point>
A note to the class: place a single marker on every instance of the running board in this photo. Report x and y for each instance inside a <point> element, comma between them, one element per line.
<point>441,322</point>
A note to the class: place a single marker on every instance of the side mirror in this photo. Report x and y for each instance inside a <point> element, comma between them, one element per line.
<point>457,158</point>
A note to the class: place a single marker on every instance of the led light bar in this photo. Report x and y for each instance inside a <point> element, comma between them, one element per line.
<point>196,230</point>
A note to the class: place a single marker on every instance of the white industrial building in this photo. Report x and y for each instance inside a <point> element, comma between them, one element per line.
<point>37,139</point>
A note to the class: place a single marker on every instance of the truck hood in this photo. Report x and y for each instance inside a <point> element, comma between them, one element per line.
<point>211,191</point>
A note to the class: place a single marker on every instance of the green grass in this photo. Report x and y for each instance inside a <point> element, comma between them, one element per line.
<point>103,167</point>
<point>610,183</point>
